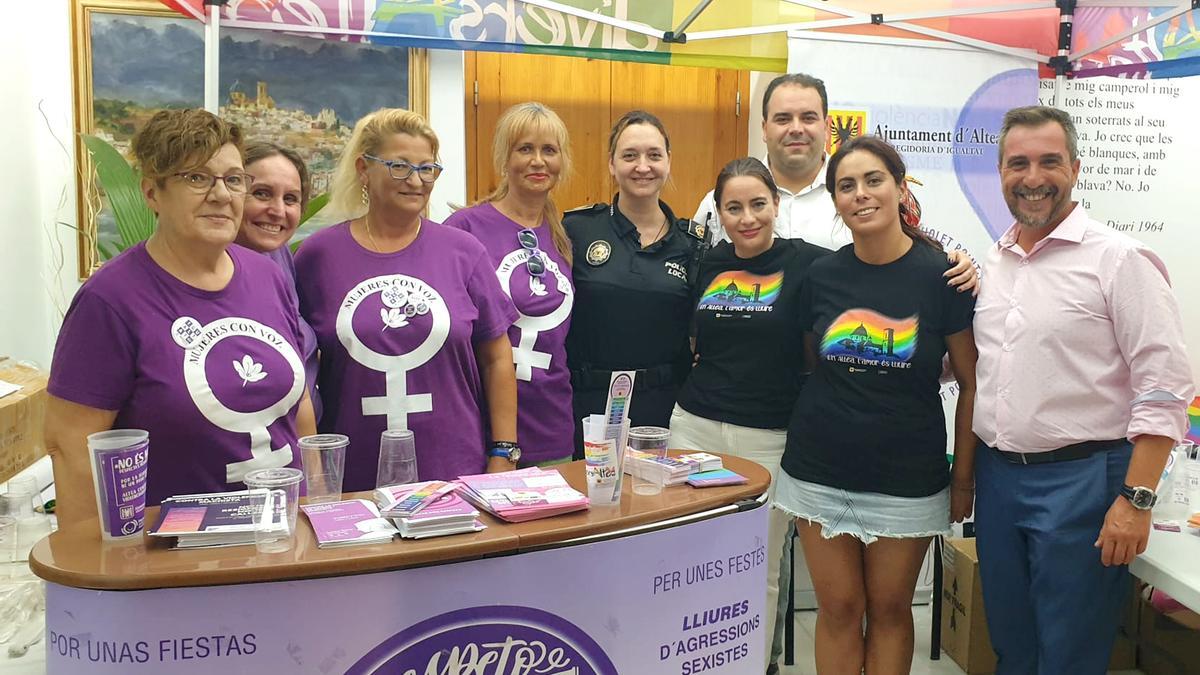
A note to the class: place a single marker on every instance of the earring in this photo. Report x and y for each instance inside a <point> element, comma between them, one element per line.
<point>366,198</point>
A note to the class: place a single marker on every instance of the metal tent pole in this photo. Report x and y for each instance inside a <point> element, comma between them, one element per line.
<point>212,56</point>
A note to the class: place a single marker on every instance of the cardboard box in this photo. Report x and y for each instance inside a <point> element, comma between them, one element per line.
<point>964,624</point>
<point>1164,646</point>
<point>21,417</point>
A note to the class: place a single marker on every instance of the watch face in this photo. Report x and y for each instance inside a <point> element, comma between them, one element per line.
<point>514,454</point>
<point>1143,498</point>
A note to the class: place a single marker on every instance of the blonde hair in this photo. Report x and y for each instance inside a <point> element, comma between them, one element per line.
<point>519,121</point>
<point>345,192</point>
<point>181,139</point>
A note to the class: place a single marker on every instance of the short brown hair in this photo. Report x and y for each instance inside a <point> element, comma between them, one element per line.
<point>180,139</point>
<point>1036,116</point>
<point>256,150</point>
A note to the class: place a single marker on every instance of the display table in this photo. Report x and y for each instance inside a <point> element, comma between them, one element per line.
<point>1170,564</point>
<point>667,583</point>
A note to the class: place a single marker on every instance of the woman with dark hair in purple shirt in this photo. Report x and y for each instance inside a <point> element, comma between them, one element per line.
<point>187,335</point>
<point>276,198</point>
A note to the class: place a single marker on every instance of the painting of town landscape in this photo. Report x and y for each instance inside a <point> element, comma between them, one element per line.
<point>298,91</point>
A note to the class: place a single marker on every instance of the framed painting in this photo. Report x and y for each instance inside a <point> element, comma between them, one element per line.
<point>135,57</point>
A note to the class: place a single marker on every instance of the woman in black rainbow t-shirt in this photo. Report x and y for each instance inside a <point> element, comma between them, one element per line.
<point>739,395</point>
<point>865,470</point>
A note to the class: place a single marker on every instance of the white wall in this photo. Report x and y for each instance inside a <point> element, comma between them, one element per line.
<point>37,253</point>
<point>448,118</point>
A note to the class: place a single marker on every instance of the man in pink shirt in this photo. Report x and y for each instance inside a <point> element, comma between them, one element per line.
<point>1083,383</point>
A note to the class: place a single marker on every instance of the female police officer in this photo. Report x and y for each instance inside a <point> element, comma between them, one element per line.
<point>634,266</point>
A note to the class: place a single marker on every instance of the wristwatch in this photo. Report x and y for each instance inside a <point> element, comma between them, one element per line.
<point>507,450</point>
<point>1142,498</point>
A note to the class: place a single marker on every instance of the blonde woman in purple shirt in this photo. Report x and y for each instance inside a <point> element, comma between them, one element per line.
<point>522,230</point>
<point>410,319</point>
<point>187,336</point>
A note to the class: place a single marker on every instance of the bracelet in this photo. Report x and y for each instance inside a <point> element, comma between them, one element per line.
<point>507,445</point>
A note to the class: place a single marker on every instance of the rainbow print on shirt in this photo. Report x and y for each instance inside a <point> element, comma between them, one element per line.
<point>1193,412</point>
<point>867,338</point>
<point>739,290</point>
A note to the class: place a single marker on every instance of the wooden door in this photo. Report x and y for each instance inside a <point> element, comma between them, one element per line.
<point>699,106</point>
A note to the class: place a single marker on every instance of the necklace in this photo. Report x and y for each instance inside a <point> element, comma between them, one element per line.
<point>371,238</point>
<point>659,235</point>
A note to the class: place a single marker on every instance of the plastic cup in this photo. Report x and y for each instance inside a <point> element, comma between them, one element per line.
<point>120,458</point>
<point>324,457</point>
<point>275,529</point>
<point>654,441</point>
<point>650,439</point>
<point>604,452</point>
<point>23,497</point>
<point>8,538</point>
<point>397,458</point>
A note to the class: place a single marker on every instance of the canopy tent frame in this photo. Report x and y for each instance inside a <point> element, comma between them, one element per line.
<point>1062,63</point>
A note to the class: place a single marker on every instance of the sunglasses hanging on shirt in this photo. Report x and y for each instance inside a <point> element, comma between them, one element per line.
<point>535,263</point>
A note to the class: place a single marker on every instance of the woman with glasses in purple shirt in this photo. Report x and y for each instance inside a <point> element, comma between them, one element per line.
<point>410,319</point>
<point>187,335</point>
<point>520,226</point>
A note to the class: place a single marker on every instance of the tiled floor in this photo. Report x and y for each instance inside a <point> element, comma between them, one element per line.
<point>922,665</point>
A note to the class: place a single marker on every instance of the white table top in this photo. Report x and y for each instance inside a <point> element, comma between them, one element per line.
<point>1171,564</point>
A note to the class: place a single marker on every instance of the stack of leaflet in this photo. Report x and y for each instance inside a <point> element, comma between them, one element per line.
<point>450,514</point>
<point>402,501</point>
<point>427,509</point>
<point>524,494</point>
<point>348,523</point>
<point>214,519</point>
<point>672,470</point>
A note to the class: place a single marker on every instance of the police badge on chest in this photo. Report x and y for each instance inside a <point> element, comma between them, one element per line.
<point>676,270</point>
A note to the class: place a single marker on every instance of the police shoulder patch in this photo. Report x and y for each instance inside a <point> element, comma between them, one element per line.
<point>694,230</point>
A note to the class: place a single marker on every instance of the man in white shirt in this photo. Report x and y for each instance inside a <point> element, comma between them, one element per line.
<point>794,128</point>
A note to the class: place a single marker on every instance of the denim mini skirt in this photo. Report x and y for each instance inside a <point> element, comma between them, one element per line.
<point>866,516</point>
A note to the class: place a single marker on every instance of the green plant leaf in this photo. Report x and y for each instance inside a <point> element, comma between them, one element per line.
<point>314,206</point>
<point>123,189</point>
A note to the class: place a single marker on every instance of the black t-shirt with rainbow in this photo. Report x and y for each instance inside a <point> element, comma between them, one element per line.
<point>748,335</point>
<point>870,417</point>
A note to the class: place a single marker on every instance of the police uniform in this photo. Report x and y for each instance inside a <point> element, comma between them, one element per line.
<point>633,310</point>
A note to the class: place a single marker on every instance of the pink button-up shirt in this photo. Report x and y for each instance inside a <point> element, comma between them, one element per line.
<point>1079,339</point>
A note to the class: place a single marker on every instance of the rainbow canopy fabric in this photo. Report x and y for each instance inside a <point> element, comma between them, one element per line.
<point>745,34</point>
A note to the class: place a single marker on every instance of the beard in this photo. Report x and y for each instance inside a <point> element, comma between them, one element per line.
<point>1036,222</point>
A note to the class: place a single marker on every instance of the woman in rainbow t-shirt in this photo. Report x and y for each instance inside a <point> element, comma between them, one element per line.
<point>747,375</point>
<point>865,467</point>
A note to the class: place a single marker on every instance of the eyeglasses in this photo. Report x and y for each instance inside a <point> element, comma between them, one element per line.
<point>535,263</point>
<point>201,182</point>
<point>401,170</point>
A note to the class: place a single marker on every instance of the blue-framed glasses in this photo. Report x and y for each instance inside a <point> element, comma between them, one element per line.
<point>401,170</point>
<point>535,263</point>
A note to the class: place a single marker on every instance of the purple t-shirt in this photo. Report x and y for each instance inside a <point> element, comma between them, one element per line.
<point>545,428</point>
<point>397,333</point>
<point>214,376</point>
<point>308,337</point>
